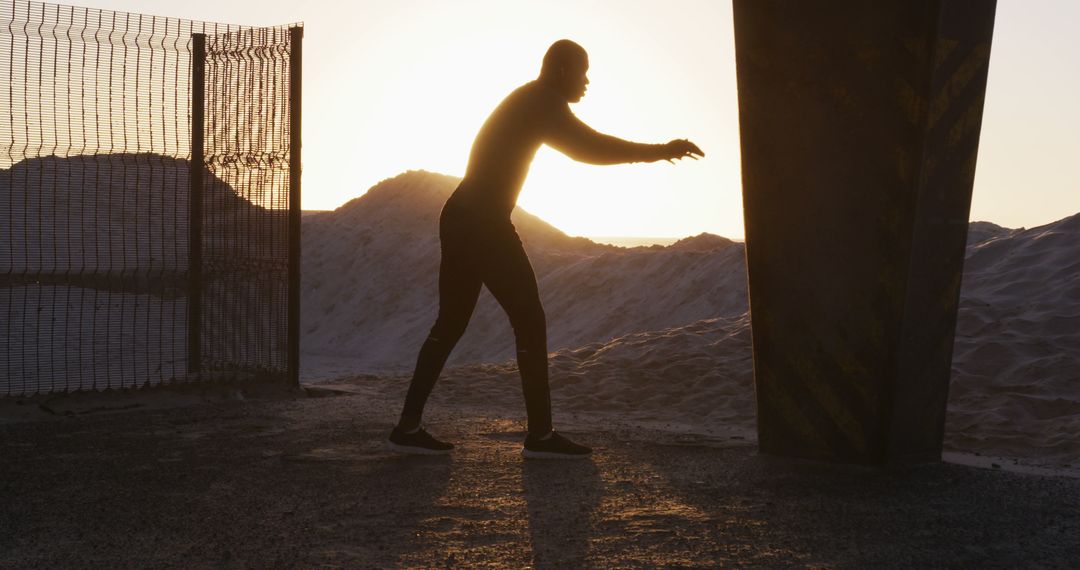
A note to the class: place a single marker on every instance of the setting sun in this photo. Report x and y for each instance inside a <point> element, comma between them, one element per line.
<point>391,87</point>
<point>437,84</point>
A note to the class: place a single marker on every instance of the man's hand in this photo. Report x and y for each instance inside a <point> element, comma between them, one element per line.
<point>681,148</point>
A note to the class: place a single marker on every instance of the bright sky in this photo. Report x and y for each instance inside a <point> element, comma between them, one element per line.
<point>397,85</point>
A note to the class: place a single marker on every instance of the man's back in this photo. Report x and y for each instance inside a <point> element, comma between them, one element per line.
<point>532,115</point>
<point>506,144</point>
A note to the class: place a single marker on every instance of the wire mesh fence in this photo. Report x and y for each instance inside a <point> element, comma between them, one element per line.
<point>98,268</point>
<point>246,197</point>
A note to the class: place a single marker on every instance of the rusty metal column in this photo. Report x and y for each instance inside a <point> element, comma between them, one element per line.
<point>195,180</point>
<point>859,128</point>
<point>296,40</point>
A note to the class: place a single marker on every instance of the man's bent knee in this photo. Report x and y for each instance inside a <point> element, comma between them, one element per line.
<point>447,335</point>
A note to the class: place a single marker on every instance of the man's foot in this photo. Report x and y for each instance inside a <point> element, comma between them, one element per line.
<point>417,442</point>
<point>553,446</point>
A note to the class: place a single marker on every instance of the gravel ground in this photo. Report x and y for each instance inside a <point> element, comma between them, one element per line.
<point>291,481</point>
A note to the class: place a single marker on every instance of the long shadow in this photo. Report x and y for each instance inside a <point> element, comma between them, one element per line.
<point>376,511</point>
<point>339,499</point>
<point>404,493</point>
<point>560,497</point>
<point>210,486</point>
<point>779,511</point>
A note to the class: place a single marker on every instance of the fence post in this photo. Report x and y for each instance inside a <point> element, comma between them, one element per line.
<point>195,179</point>
<point>296,40</point>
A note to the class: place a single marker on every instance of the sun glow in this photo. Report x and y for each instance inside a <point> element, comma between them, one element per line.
<point>394,86</point>
<point>428,88</point>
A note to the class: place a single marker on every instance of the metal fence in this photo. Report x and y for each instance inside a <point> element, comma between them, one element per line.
<point>149,199</point>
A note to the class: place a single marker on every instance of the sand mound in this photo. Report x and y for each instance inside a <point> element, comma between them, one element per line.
<point>694,378</point>
<point>1016,361</point>
<point>660,334</point>
<point>94,271</point>
<point>370,272</point>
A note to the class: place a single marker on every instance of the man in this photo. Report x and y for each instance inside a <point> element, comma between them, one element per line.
<point>481,247</point>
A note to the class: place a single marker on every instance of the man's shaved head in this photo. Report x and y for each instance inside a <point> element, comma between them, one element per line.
<point>565,65</point>
<point>563,54</point>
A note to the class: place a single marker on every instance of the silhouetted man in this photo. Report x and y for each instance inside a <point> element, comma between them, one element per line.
<point>481,247</point>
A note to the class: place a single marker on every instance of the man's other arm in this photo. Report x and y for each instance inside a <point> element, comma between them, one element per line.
<point>569,135</point>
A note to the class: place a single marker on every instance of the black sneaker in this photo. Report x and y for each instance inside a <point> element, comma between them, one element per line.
<point>554,447</point>
<point>418,442</point>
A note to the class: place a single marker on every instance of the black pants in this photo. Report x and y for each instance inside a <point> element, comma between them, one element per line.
<point>481,247</point>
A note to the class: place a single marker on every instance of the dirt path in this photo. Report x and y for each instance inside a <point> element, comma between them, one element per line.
<point>305,482</point>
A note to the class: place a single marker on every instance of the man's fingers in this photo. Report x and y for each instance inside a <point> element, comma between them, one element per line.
<point>683,148</point>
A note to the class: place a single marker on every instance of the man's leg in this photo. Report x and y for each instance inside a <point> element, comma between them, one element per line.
<point>511,280</point>
<point>459,288</point>
<point>509,276</point>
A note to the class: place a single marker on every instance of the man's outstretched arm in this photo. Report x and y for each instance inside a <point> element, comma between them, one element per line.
<point>570,136</point>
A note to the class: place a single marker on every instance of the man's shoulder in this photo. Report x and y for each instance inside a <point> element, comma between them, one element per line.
<point>539,96</point>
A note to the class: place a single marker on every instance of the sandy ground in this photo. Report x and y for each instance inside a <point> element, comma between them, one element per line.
<point>199,478</point>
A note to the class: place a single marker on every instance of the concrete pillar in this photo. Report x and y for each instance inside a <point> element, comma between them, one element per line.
<point>859,127</point>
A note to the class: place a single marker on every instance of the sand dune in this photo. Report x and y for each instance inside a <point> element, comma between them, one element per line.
<point>1016,361</point>
<point>94,270</point>
<point>660,334</point>
<point>121,213</point>
<point>370,270</point>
